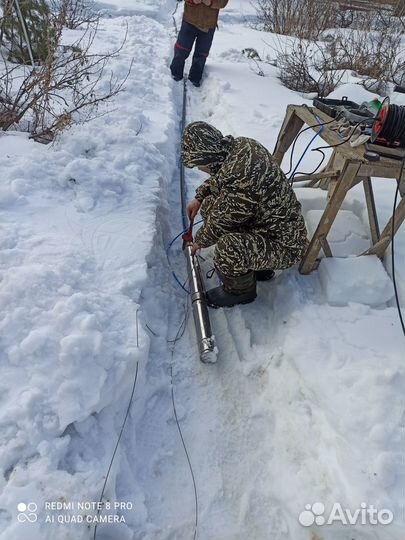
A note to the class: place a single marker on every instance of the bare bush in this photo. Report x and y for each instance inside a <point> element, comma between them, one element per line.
<point>344,18</point>
<point>68,87</point>
<point>375,56</point>
<point>305,19</point>
<point>307,67</point>
<point>400,8</point>
<point>372,49</point>
<point>309,18</point>
<point>75,13</point>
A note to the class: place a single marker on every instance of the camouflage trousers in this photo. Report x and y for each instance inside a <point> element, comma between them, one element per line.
<point>237,253</point>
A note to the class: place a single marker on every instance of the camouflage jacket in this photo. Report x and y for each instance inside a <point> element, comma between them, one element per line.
<point>251,194</point>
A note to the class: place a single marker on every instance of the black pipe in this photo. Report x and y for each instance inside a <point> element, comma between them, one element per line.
<point>182,179</point>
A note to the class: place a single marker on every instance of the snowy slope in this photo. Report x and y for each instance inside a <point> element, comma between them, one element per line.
<point>79,220</point>
<point>306,401</point>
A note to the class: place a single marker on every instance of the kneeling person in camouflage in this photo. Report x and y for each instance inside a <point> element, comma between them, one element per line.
<point>249,210</point>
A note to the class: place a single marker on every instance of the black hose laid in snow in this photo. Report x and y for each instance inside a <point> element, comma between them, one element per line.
<point>182,178</point>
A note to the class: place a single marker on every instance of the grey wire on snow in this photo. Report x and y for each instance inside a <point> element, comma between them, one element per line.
<point>122,427</point>
<point>393,271</point>
<point>137,329</point>
<point>174,18</point>
<point>117,444</point>
<point>180,333</point>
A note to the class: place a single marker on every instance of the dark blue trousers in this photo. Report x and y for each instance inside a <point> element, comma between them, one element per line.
<point>189,35</point>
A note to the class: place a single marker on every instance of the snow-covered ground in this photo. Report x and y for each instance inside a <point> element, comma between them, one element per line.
<point>306,401</point>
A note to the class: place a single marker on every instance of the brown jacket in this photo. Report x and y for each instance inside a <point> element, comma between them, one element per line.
<point>202,16</point>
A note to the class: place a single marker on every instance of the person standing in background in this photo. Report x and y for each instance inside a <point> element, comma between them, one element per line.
<point>198,27</point>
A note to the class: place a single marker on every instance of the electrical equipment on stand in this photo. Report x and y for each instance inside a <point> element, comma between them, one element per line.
<point>380,125</point>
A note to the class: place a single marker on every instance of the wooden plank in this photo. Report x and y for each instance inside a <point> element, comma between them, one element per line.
<point>289,130</point>
<point>332,184</point>
<point>325,246</point>
<point>385,239</point>
<point>345,182</point>
<point>371,210</point>
<point>398,153</point>
<point>385,168</point>
<point>317,176</point>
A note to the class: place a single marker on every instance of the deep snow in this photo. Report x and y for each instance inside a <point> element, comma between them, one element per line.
<point>305,403</point>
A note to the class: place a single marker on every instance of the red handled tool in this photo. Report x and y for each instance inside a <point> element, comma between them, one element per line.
<point>188,235</point>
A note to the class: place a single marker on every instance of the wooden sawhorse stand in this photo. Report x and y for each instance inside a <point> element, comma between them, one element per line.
<point>346,168</point>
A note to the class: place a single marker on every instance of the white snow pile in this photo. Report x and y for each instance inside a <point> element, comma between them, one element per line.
<point>79,219</point>
<point>355,279</point>
<point>306,401</point>
<point>348,235</point>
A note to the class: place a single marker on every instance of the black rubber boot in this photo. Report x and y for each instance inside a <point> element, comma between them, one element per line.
<point>197,84</point>
<point>233,291</point>
<point>264,275</point>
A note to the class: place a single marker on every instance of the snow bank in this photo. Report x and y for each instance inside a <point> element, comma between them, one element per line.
<point>356,279</point>
<point>79,221</point>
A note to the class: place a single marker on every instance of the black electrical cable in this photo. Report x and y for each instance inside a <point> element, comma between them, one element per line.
<point>182,327</point>
<point>321,148</point>
<point>303,131</point>
<point>345,140</point>
<point>182,177</point>
<point>393,128</point>
<point>312,172</point>
<point>394,281</point>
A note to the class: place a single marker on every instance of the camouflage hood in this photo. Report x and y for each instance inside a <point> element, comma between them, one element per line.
<point>205,146</point>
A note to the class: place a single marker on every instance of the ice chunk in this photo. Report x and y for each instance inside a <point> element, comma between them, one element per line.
<point>348,235</point>
<point>355,279</point>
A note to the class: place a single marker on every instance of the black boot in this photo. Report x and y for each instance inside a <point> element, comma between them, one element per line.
<point>264,275</point>
<point>233,291</point>
<point>195,82</point>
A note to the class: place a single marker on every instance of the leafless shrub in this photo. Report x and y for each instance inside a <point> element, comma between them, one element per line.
<point>372,49</point>
<point>68,87</point>
<point>378,17</point>
<point>400,8</point>
<point>305,66</point>
<point>309,18</point>
<point>375,56</point>
<point>301,18</point>
<point>345,18</point>
<point>76,13</point>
